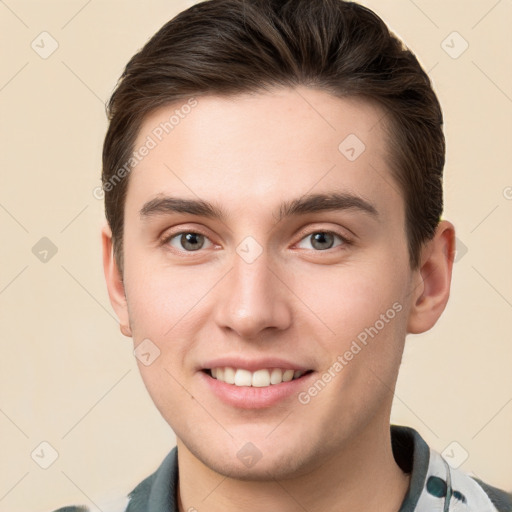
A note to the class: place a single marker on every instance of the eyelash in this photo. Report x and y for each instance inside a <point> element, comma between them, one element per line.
<point>345,241</point>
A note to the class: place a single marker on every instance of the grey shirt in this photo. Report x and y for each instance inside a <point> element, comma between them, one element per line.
<point>434,485</point>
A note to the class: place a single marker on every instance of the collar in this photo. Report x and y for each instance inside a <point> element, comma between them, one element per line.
<point>434,485</point>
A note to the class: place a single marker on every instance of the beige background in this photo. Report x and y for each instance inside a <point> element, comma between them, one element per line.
<point>68,377</point>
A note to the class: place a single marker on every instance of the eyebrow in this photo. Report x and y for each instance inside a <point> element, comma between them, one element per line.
<point>310,203</point>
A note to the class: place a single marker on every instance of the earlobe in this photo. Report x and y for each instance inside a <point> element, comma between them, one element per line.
<point>115,285</point>
<point>432,288</point>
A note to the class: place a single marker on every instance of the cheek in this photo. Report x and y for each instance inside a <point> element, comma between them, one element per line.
<point>363,316</point>
<point>162,299</point>
<point>347,300</point>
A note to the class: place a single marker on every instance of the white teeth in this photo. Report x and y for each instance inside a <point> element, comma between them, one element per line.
<point>288,375</point>
<point>229,375</point>
<point>243,378</point>
<point>258,379</point>
<point>276,377</point>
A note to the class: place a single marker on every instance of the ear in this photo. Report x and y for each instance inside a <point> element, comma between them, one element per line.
<point>433,279</point>
<point>114,282</point>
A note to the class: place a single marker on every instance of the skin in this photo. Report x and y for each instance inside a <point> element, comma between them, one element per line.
<point>249,153</point>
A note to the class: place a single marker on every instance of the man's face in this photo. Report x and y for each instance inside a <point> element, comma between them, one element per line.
<point>251,292</point>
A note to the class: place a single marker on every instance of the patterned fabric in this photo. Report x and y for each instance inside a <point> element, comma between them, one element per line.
<point>447,489</point>
<point>434,485</point>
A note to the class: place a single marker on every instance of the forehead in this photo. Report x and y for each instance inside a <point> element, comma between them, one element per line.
<point>263,147</point>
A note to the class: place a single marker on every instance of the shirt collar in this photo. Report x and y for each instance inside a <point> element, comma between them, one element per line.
<point>158,492</point>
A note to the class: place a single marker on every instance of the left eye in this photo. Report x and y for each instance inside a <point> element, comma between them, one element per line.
<point>188,240</point>
<point>323,240</point>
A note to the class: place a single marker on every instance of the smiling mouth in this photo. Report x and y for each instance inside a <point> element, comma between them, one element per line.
<point>258,379</point>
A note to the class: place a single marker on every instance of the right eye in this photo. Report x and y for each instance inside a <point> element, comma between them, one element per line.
<point>186,241</point>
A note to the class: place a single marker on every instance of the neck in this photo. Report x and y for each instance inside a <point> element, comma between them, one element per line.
<point>360,476</point>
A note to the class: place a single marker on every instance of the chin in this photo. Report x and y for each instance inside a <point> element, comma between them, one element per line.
<point>250,464</point>
<point>260,472</point>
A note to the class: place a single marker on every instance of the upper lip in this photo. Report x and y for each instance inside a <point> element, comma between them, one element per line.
<point>253,364</point>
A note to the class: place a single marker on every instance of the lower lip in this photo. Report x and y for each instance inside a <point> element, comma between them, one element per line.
<point>248,397</point>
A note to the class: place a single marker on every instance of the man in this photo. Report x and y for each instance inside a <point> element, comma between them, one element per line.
<point>273,190</point>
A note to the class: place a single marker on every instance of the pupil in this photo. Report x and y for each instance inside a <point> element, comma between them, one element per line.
<point>189,240</point>
<point>320,237</point>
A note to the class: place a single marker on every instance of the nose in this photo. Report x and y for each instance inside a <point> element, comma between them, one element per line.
<point>253,299</point>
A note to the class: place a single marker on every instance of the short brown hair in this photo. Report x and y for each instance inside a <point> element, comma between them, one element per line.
<point>225,47</point>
